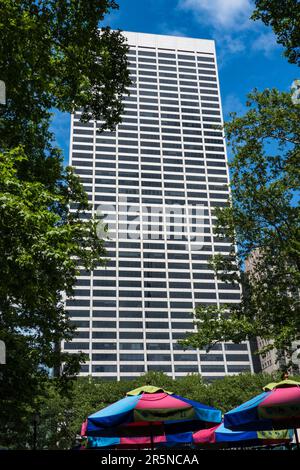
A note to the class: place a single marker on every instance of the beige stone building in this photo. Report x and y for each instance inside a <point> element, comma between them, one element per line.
<point>268,361</point>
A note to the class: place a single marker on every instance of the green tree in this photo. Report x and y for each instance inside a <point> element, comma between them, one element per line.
<point>232,390</point>
<point>61,416</point>
<point>263,215</point>
<point>284,17</point>
<point>52,55</point>
<point>39,247</point>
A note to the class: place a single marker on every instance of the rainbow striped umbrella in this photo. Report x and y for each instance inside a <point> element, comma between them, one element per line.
<point>223,437</point>
<point>149,416</point>
<point>278,407</point>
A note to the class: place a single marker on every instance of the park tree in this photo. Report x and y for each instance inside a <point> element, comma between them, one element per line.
<point>53,55</point>
<point>284,18</point>
<point>232,390</point>
<point>262,216</point>
<point>61,416</point>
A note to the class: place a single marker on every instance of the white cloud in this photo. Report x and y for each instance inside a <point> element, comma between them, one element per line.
<point>229,23</point>
<point>231,44</point>
<point>221,14</point>
<point>233,104</point>
<point>227,46</point>
<point>265,42</point>
<point>164,28</point>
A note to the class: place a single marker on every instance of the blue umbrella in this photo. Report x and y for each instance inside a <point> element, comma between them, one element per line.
<point>221,436</point>
<point>152,413</point>
<point>278,407</point>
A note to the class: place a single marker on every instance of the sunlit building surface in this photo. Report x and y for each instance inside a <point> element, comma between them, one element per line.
<point>157,179</point>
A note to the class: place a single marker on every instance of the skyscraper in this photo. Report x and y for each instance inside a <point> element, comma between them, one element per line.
<point>156,180</point>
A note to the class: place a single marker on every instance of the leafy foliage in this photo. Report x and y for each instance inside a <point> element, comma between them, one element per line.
<point>284,18</point>
<point>52,55</point>
<point>263,219</point>
<point>61,416</point>
<point>39,248</point>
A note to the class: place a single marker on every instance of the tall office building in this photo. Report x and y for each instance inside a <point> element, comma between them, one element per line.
<point>157,180</point>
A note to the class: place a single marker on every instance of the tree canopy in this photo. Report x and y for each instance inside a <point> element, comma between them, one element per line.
<point>263,214</point>
<point>284,17</point>
<point>61,416</point>
<point>53,54</point>
<point>262,218</point>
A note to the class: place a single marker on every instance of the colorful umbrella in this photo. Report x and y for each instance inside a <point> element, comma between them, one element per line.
<point>142,442</point>
<point>278,407</point>
<point>149,415</point>
<point>223,437</point>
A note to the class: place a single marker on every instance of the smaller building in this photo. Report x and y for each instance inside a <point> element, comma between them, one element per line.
<point>272,360</point>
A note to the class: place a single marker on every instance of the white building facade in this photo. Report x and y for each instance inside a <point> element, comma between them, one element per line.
<point>157,180</point>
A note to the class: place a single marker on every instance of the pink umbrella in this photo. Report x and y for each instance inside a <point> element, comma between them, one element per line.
<point>278,407</point>
<point>219,435</point>
<point>149,415</point>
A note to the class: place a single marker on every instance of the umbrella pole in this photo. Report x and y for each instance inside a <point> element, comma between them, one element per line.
<point>297,438</point>
<point>151,436</point>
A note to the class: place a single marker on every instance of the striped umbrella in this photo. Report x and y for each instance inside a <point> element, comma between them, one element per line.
<point>278,407</point>
<point>149,416</point>
<point>223,437</point>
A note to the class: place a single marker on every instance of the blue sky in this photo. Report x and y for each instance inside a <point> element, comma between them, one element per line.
<point>247,52</point>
